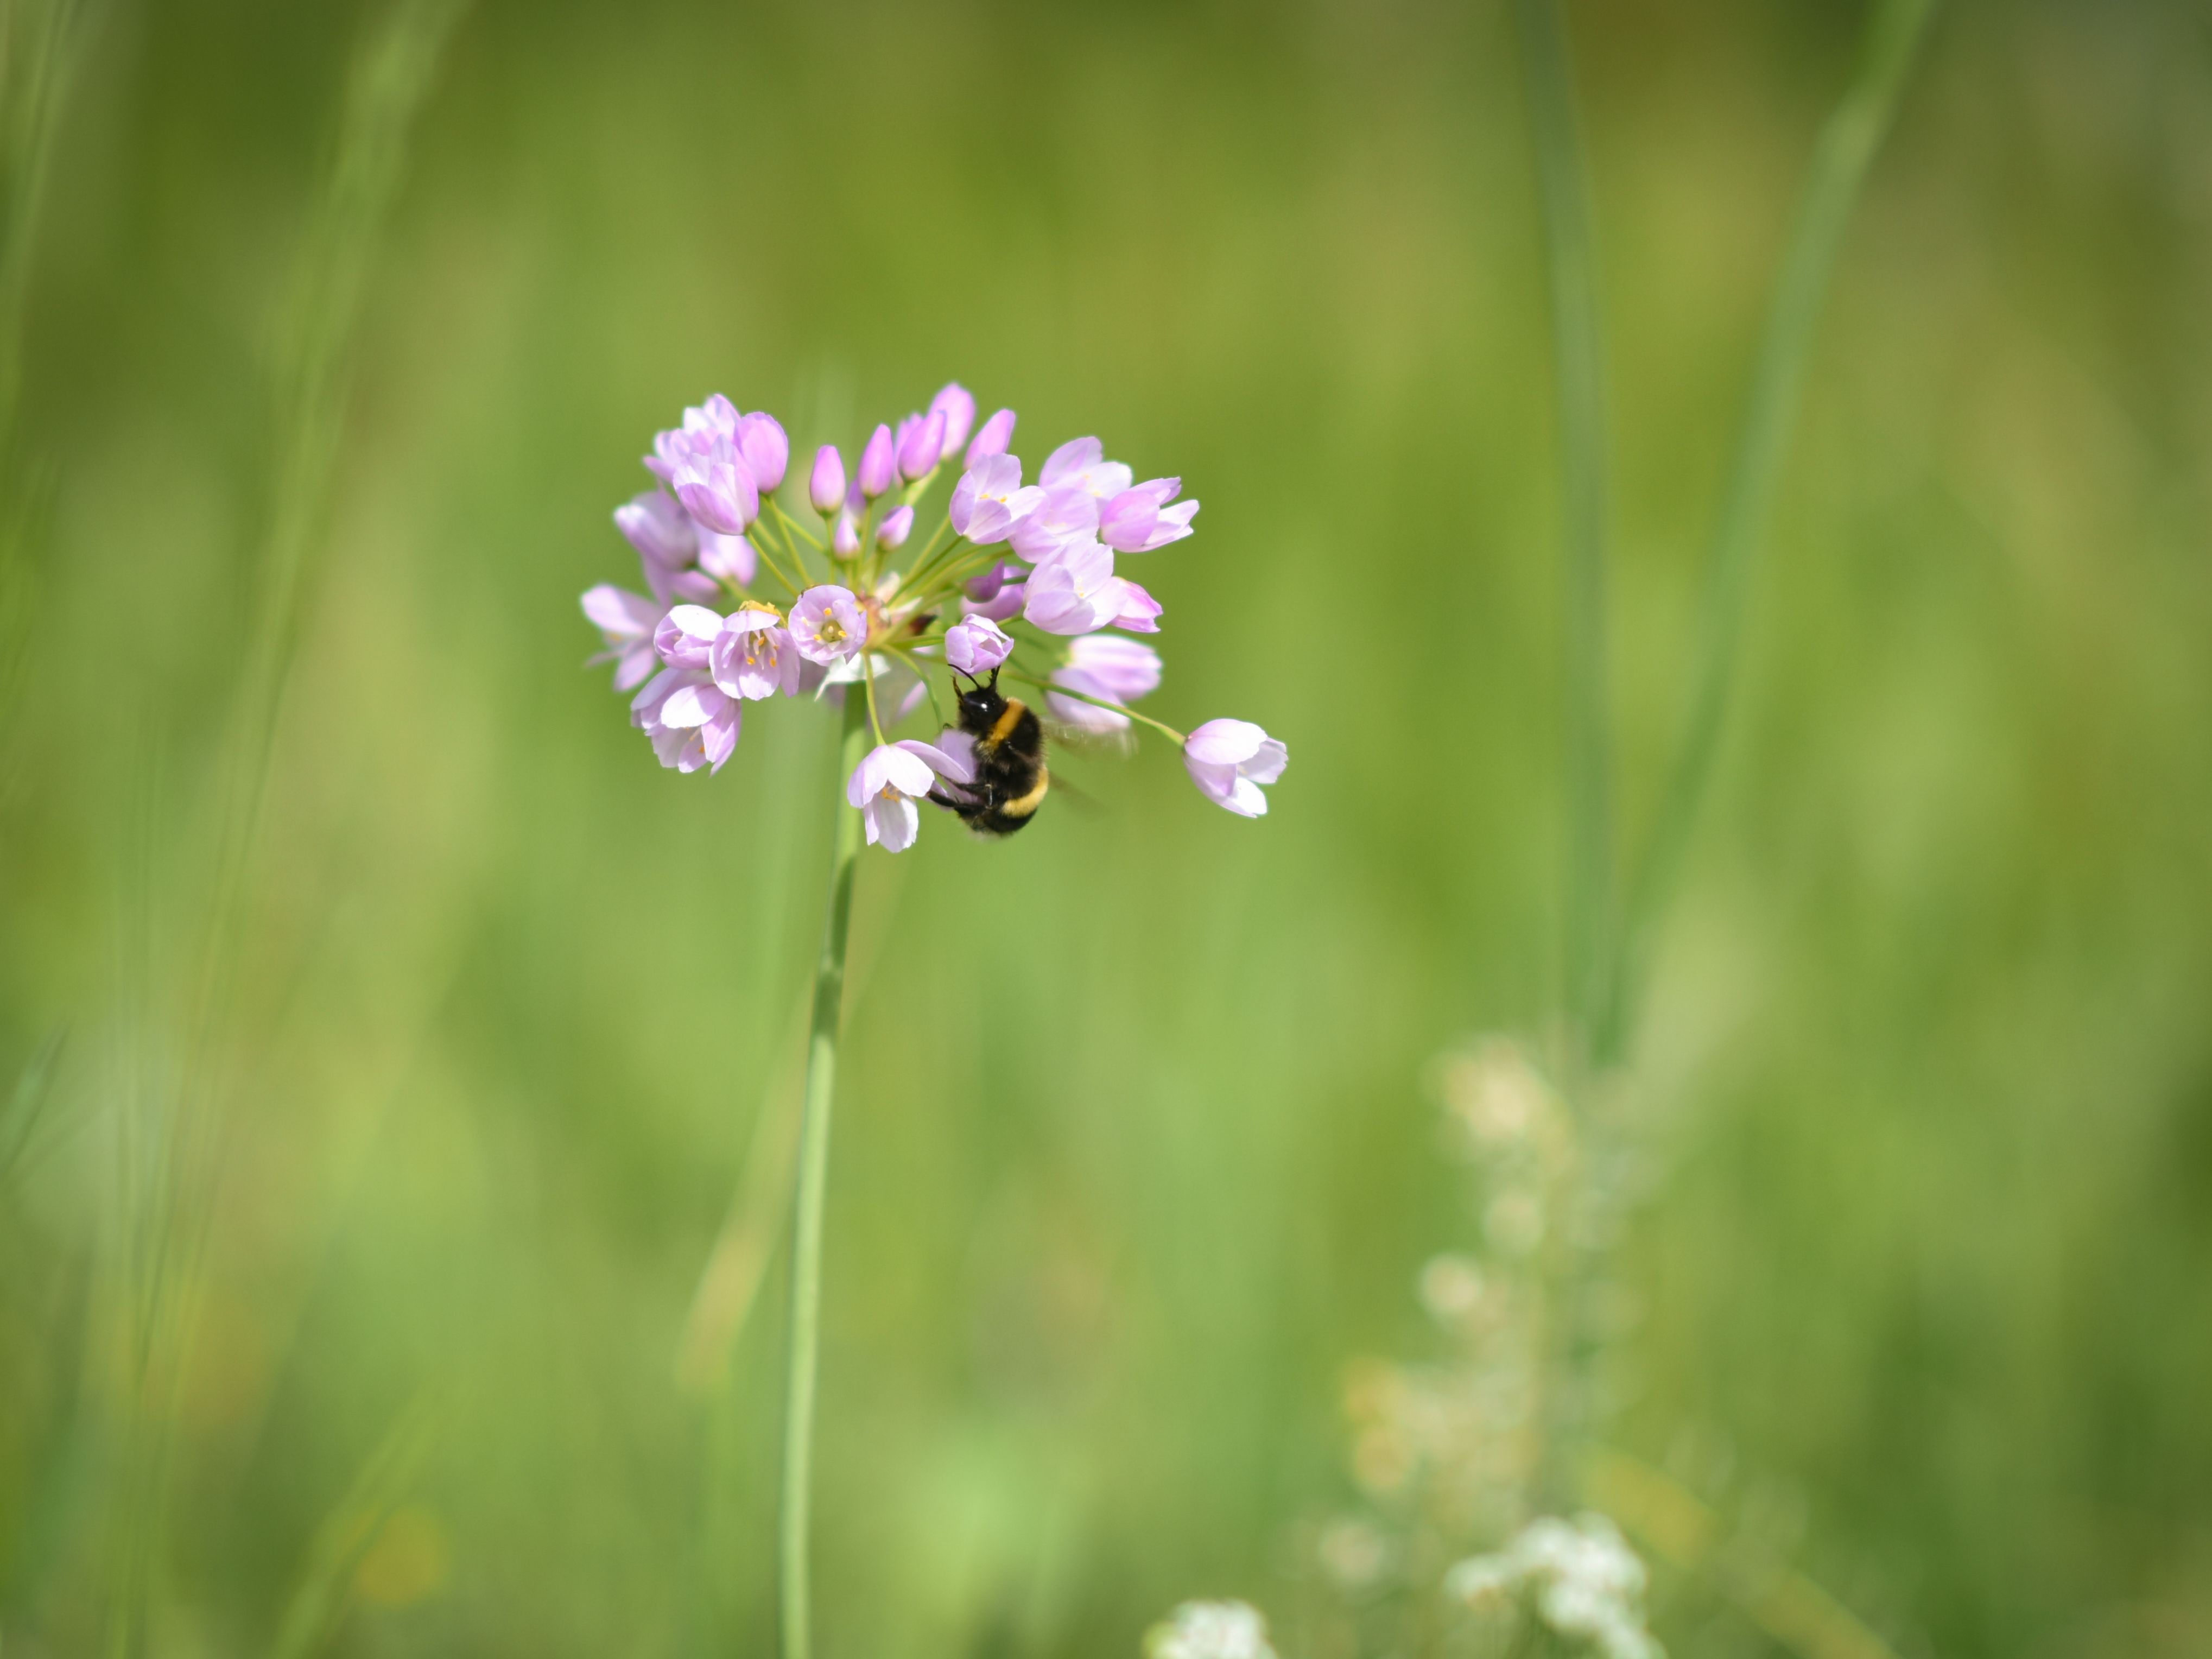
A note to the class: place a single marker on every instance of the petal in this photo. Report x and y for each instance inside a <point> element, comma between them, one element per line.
<point>620,614</point>
<point>1224,743</point>
<point>1267,764</point>
<point>1071,457</point>
<point>942,759</point>
<point>692,705</point>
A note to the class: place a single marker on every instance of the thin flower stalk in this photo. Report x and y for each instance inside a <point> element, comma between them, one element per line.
<point>1015,579</point>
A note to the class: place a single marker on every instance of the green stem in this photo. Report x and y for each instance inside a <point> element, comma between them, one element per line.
<point>1846,147</point>
<point>1179,739</point>
<point>813,1182</point>
<point>1572,267</point>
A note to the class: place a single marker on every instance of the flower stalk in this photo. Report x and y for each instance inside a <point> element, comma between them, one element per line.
<point>813,1186</point>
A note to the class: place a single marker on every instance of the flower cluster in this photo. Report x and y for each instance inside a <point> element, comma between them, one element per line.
<point>1582,1580</point>
<point>745,601</point>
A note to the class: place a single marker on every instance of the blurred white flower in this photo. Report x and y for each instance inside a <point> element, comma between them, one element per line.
<point>1451,1290</point>
<point>1585,1580</point>
<point>1210,1630</point>
<point>1354,1550</point>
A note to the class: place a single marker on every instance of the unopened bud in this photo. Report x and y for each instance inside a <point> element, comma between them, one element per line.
<point>826,488</point>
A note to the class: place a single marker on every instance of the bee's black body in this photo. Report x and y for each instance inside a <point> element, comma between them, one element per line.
<point>1011,779</point>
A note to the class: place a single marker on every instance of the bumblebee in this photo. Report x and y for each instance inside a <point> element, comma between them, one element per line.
<point>1011,779</point>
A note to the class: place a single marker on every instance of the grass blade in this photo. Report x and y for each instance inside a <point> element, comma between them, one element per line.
<point>1845,148</point>
<point>1571,262</point>
<point>24,1116</point>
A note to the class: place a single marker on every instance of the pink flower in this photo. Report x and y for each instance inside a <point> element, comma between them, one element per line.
<point>700,461</point>
<point>1103,665</point>
<point>920,441</point>
<point>730,558</point>
<point>1060,518</point>
<point>626,620</point>
<point>878,464</point>
<point>755,656</point>
<point>889,779</point>
<point>827,624</point>
<point>1229,760</point>
<point>845,539</point>
<point>957,404</point>
<point>997,434</point>
<point>685,635</point>
<point>1140,611</point>
<point>1139,519</point>
<point>897,526</point>
<point>976,646</point>
<point>668,544</point>
<point>692,722</point>
<point>1080,464</point>
<point>989,501</point>
<point>826,488</point>
<point>766,450</point>
<point>998,592</point>
<point>717,416</point>
<point>1076,591</point>
<point>715,486</point>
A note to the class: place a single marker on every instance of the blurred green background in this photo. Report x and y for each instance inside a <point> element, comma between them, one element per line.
<point>1133,1152</point>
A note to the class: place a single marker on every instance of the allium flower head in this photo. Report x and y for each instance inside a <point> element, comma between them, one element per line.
<point>829,625</point>
<point>743,604</point>
<point>1229,760</point>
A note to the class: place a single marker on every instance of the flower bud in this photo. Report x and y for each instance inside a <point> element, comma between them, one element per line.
<point>845,540</point>
<point>897,526</point>
<point>878,464</point>
<point>957,404</point>
<point>921,440</point>
<point>826,488</point>
<point>997,432</point>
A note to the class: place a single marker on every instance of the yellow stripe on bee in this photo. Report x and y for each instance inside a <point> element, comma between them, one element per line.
<point>1029,803</point>
<point>1003,728</point>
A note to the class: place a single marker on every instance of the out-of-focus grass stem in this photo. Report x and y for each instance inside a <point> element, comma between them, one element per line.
<point>39,43</point>
<point>813,1189</point>
<point>390,73</point>
<point>1571,262</point>
<point>1846,147</point>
